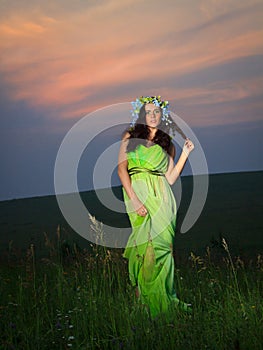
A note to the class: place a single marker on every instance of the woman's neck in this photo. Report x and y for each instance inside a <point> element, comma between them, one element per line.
<point>152,133</point>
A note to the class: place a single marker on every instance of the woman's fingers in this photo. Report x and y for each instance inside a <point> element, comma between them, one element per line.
<point>142,211</point>
<point>139,207</point>
<point>188,146</point>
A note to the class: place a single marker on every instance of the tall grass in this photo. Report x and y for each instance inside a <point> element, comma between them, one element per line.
<point>82,299</point>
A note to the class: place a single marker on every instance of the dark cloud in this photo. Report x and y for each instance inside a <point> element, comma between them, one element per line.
<point>237,69</point>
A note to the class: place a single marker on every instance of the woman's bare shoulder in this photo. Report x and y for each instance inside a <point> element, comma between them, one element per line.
<point>126,136</point>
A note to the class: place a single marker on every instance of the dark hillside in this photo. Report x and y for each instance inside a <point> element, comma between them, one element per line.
<point>233,210</point>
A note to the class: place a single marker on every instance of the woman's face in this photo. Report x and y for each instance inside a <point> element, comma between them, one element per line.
<point>153,115</point>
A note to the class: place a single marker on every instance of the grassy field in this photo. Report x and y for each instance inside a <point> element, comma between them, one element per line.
<point>83,300</point>
<point>59,291</point>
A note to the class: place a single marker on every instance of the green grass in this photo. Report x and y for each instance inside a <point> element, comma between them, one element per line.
<point>58,291</point>
<point>83,300</point>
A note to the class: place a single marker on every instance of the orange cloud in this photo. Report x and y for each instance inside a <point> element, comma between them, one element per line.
<point>62,62</point>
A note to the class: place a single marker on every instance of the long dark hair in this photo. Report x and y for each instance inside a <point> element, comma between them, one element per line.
<point>140,131</point>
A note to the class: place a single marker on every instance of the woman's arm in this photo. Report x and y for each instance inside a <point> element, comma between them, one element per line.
<point>126,180</point>
<point>174,171</point>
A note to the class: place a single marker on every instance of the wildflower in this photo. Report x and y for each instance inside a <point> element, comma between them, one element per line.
<point>12,325</point>
<point>58,326</point>
<point>133,329</point>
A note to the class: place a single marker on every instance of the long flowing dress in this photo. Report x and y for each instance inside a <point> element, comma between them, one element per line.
<point>149,249</point>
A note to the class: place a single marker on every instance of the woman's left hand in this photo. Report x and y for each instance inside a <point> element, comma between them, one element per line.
<point>188,147</point>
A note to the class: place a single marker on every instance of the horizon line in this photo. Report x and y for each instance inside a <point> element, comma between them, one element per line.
<point>105,188</point>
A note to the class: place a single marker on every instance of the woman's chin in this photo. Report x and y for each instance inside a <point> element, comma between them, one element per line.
<point>153,125</point>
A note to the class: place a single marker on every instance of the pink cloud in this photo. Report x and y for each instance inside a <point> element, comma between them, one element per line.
<point>62,62</point>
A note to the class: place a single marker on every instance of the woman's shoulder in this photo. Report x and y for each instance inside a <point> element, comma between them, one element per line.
<point>126,135</point>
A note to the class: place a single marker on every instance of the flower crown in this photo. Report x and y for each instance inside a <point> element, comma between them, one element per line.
<point>156,100</point>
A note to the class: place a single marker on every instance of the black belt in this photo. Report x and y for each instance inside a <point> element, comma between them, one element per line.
<point>137,170</point>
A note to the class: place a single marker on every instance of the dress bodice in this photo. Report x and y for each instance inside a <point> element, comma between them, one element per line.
<point>152,158</point>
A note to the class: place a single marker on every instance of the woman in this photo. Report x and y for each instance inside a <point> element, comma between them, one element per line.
<point>146,169</point>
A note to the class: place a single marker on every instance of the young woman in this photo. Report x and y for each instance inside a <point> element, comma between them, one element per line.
<point>146,169</point>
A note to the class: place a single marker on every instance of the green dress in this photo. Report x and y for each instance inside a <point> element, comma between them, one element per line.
<point>149,249</point>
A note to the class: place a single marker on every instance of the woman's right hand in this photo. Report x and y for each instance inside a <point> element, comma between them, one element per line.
<point>138,206</point>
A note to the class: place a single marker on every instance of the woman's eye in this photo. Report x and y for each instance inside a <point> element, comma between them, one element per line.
<point>156,111</point>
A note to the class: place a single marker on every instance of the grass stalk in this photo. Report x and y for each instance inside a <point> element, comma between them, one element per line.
<point>89,304</point>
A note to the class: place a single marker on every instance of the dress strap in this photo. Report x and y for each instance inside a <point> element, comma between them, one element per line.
<point>137,170</point>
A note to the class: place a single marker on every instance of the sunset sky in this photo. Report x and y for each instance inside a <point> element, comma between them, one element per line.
<point>60,60</point>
